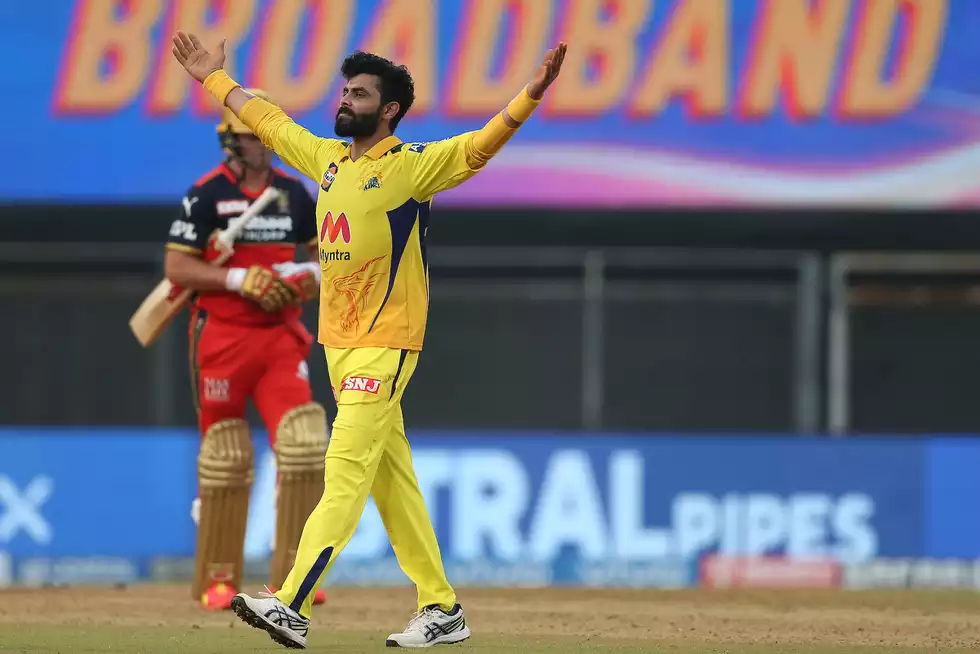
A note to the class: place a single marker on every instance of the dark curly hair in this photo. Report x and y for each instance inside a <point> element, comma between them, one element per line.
<point>395,82</point>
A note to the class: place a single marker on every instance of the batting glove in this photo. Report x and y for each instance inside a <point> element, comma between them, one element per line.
<point>263,286</point>
<point>302,278</point>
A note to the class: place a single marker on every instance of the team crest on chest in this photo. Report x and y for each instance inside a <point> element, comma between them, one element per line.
<point>329,177</point>
<point>371,179</point>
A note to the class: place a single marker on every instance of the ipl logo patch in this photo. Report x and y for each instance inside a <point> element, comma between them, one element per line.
<point>329,177</point>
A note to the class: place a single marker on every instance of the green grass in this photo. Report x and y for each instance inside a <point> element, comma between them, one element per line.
<point>242,639</point>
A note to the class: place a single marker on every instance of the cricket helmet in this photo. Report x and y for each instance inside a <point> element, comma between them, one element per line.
<point>231,125</point>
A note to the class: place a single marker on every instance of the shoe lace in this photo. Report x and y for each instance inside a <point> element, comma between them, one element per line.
<point>285,613</point>
<point>419,618</point>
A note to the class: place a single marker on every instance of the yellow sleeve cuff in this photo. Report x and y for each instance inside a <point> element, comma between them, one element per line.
<point>521,107</point>
<point>219,85</point>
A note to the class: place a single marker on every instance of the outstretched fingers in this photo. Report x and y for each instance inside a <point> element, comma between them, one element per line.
<point>195,42</point>
<point>557,60</point>
<point>553,59</point>
<point>179,49</point>
<point>188,45</point>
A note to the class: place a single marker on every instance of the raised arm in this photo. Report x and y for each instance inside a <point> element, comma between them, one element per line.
<point>444,164</point>
<point>296,145</point>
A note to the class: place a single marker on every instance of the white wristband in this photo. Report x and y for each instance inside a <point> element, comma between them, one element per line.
<point>235,279</point>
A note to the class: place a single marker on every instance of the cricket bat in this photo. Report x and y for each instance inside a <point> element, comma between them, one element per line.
<point>166,300</point>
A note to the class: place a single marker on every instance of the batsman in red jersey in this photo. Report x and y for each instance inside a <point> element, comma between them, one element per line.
<point>247,342</point>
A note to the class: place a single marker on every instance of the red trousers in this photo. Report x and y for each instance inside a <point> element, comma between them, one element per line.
<point>231,363</point>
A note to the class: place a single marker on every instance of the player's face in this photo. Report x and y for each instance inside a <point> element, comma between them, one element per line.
<point>256,155</point>
<point>359,114</point>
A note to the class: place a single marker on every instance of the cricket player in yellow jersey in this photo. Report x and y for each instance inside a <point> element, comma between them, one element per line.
<point>372,214</point>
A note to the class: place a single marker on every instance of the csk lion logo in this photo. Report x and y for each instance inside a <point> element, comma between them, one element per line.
<point>355,288</point>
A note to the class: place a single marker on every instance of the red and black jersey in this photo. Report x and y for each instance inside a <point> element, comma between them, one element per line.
<point>270,238</point>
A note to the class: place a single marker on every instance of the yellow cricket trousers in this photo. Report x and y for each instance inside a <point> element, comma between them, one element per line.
<point>369,454</point>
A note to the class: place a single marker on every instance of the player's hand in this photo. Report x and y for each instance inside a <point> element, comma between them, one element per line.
<point>303,285</point>
<point>195,59</point>
<point>301,278</point>
<point>547,71</point>
<point>266,288</point>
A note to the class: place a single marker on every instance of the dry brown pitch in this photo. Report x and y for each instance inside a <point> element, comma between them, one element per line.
<point>164,619</point>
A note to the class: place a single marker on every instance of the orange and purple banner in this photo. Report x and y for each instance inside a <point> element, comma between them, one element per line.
<point>660,103</point>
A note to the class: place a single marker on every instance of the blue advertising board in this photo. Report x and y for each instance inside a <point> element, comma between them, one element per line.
<point>535,508</point>
<point>96,492</point>
<point>952,528</point>
<point>673,102</point>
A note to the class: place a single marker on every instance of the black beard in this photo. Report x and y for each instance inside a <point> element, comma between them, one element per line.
<point>357,125</point>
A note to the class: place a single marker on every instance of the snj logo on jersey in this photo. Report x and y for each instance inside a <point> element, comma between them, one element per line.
<point>329,177</point>
<point>363,384</point>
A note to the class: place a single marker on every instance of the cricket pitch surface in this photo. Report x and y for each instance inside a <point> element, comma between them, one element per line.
<point>164,619</point>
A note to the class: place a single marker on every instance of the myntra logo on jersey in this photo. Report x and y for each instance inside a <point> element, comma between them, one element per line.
<point>334,228</point>
<point>336,255</point>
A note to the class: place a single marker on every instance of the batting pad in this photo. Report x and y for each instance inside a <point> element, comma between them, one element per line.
<point>224,468</point>
<point>301,445</point>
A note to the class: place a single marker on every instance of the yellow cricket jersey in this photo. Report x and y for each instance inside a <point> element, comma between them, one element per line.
<point>372,215</point>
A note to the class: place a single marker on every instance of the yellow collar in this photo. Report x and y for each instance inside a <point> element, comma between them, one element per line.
<point>379,148</point>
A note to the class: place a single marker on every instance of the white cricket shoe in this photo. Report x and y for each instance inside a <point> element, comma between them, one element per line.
<point>266,612</point>
<point>432,626</point>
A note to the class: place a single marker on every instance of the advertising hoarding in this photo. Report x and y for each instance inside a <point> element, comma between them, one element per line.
<point>509,508</point>
<point>667,103</point>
